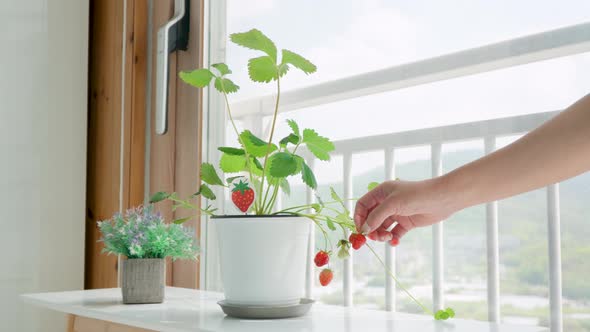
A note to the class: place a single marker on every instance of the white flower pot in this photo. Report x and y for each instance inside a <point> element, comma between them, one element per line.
<point>263,258</point>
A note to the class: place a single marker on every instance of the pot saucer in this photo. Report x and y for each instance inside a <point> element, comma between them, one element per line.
<point>266,312</point>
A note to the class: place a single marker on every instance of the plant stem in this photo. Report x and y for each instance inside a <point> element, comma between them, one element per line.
<point>272,131</point>
<point>231,118</point>
<point>426,310</point>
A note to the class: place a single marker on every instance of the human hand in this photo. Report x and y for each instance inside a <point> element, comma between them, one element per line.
<point>410,204</point>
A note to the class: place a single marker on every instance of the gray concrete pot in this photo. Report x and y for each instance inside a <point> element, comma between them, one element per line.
<point>143,280</point>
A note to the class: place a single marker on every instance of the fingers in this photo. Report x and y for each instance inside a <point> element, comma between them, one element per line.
<point>383,233</point>
<point>380,214</point>
<point>364,206</point>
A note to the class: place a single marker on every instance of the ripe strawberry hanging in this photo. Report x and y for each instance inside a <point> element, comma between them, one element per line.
<point>321,258</point>
<point>326,277</point>
<point>357,240</point>
<point>242,196</point>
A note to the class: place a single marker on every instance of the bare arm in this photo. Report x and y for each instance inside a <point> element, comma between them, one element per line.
<point>557,150</point>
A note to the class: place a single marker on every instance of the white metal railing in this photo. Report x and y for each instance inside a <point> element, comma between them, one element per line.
<point>488,131</point>
<point>547,45</point>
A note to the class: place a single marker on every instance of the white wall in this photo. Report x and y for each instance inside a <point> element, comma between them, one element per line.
<point>43,86</point>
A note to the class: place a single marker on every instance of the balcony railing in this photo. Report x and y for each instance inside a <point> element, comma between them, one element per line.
<point>543,46</point>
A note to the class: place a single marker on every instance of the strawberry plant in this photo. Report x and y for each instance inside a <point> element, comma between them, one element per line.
<point>263,166</point>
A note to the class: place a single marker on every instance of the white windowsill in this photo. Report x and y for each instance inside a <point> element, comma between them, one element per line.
<point>193,310</point>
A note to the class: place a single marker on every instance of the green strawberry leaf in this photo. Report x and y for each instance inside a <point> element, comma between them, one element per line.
<point>292,138</point>
<point>255,40</point>
<point>181,220</point>
<point>232,151</point>
<point>225,85</point>
<point>441,315</point>
<point>335,195</point>
<point>330,224</point>
<point>231,179</point>
<point>285,186</point>
<point>159,196</point>
<point>372,185</point>
<point>199,78</point>
<point>262,69</point>
<point>231,163</point>
<point>318,145</point>
<point>209,175</point>
<point>206,192</point>
<point>283,164</point>
<point>294,127</point>
<point>222,68</point>
<point>451,312</point>
<point>316,207</point>
<point>308,177</point>
<point>254,145</point>
<point>298,62</point>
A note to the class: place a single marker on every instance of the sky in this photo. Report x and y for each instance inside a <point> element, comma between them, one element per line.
<point>348,37</point>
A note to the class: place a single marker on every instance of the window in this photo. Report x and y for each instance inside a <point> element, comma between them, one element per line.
<point>357,37</point>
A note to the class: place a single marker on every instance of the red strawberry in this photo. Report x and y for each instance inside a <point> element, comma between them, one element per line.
<point>326,277</point>
<point>321,258</point>
<point>357,240</point>
<point>394,242</point>
<point>242,196</point>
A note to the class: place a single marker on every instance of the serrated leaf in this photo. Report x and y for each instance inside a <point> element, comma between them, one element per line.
<point>330,224</point>
<point>282,164</point>
<point>318,145</point>
<point>222,68</point>
<point>159,196</point>
<point>232,164</point>
<point>292,138</point>
<point>225,85</point>
<point>232,151</point>
<point>262,69</point>
<point>254,145</point>
<point>209,175</point>
<point>206,192</point>
<point>255,40</point>
<point>372,185</point>
<point>308,177</point>
<point>198,78</point>
<point>231,179</point>
<point>181,220</point>
<point>298,62</point>
<point>294,127</point>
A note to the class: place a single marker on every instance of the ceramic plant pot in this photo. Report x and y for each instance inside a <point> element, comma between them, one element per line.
<point>263,258</point>
<point>143,280</point>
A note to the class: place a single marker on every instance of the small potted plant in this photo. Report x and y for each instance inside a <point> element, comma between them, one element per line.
<point>263,254</point>
<point>145,240</point>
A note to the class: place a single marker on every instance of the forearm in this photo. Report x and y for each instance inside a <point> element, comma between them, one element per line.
<point>557,150</point>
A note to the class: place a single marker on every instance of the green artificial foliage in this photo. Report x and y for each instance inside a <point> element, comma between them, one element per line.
<point>141,233</point>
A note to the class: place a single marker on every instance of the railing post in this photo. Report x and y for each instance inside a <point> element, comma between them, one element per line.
<point>390,286</point>
<point>437,237</point>
<point>347,184</point>
<point>309,280</point>
<point>554,239</point>
<point>492,248</point>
